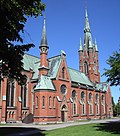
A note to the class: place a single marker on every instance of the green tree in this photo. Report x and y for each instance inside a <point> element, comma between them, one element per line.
<point>13,16</point>
<point>114,107</point>
<point>113,73</point>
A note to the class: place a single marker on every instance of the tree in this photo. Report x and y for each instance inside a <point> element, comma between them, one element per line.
<point>14,14</point>
<point>113,74</point>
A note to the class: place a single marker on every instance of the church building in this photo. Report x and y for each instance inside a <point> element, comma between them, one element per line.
<point>54,92</point>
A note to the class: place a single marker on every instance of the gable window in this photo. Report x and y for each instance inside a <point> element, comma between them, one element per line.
<point>24,95</point>
<point>85,67</point>
<point>63,72</point>
<point>43,101</point>
<point>10,92</point>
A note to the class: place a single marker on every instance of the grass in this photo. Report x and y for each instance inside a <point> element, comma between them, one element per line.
<point>103,129</point>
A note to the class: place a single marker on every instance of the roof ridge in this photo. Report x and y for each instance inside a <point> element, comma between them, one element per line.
<point>54,57</point>
<point>31,55</point>
<point>76,70</point>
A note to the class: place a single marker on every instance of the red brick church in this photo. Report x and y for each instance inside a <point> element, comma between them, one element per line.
<point>53,91</point>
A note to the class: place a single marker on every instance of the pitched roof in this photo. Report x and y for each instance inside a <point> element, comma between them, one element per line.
<point>102,87</point>
<point>54,64</point>
<point>44,83</point>
<point>79,77</point>
<point>29,61</point>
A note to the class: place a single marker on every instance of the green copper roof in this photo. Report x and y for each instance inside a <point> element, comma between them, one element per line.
<point>102,87</point>
<point>54,64</point>
<point>77,76</point>
<point>44,83</point>
<point>29,62</point>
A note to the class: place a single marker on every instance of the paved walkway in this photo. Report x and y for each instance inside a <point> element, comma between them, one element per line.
<point>52,126</point>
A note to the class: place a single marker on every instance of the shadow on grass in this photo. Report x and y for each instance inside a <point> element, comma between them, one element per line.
<point>18,131</point>
<point>112,127</point>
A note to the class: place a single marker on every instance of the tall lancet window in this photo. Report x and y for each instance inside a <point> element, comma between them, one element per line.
<point>85,67</point>
<point>10,92</point>
<point>74,94</point>
<point>24,95</point>
<point>63,72</point>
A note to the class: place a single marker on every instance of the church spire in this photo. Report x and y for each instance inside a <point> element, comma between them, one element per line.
<point>87,26</point>
<point>44,37</point>
<point>43,69</point>
<point>87,32</point>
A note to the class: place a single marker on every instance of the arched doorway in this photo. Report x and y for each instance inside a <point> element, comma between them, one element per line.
<point>64,113</point>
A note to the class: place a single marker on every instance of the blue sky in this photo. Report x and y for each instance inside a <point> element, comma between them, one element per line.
<point>65,21</point>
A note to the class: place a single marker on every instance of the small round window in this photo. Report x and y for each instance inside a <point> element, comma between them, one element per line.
<point>63,89</point>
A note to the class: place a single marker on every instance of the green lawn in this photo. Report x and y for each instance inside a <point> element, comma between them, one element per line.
<point>105,129</point>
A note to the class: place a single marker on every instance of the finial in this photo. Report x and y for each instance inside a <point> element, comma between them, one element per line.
<point>86,14</point>
<point>86,8</point>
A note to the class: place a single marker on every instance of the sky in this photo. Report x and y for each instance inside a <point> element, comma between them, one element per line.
<point>65,20</point>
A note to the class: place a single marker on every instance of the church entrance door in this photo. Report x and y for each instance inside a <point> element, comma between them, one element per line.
<point>64,113</point>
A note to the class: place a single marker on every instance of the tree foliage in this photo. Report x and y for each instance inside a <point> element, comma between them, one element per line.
<point>14,14</point>
<point>113,74</point>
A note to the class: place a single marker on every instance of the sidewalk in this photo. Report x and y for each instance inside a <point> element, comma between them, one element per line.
<point>29,129</point>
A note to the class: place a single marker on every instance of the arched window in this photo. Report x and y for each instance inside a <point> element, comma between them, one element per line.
<point>97,97</point>
<point>90,104</point>
<point>85,67</point>
<point>10,92</point>
<point>37,101</point>
<point>83,102</point>
<point>24,95</point>
<point>63,72</point>
<point>43,101</point>
<point>63,89</point>
<point>103,98</point>
<point>83,108</point>
<point>74,94</point>
<point>50,101</point>
<point>95,67</point>
<point>97,109</point>
<point>74,108</point>
<point>82,95</point>
<point>53,102</point>
<point>90,96</point>
<point>91,109</point>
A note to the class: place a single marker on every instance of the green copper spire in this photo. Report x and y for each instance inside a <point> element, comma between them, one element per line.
<point>44,37</point>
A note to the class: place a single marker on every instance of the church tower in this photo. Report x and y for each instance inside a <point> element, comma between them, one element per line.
<point>43,69</point>
<point>88,55</point>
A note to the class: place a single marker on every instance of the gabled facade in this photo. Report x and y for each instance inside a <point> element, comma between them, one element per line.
<point>53,91</point>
